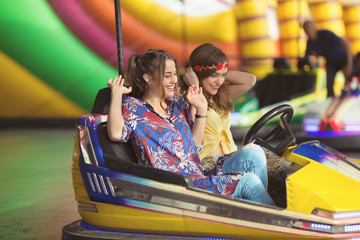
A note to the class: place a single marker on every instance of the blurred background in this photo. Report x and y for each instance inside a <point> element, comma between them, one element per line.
<point>56,54</point>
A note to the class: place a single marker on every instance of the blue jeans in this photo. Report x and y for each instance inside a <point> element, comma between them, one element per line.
<point>250,160</point>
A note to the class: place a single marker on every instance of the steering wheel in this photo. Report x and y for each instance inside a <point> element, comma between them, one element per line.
<point>286,112</point>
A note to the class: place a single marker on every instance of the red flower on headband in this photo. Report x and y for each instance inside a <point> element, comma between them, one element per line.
<point>218,66</point>
<point>197,68</point>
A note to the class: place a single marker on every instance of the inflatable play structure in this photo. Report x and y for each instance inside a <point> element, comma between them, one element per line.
<point>56,54</point>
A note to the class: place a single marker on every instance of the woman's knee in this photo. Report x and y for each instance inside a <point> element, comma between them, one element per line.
<point>255,152</point>
<point>249,159</point>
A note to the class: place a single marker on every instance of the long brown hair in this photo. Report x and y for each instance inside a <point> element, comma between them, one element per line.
<point>152,63</point>
<point>204,55</point>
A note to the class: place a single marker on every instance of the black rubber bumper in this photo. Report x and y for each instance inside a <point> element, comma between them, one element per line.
<point>75,231</point>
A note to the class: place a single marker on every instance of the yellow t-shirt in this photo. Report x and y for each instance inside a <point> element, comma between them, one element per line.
<point>217,132</point>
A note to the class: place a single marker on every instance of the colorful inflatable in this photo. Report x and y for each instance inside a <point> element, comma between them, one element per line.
<point>56,54</point>
<point>48,71</point>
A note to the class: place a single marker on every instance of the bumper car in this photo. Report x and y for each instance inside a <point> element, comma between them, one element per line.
<point>335,121</point>
<point>316,189</point>
<point>282,86</point>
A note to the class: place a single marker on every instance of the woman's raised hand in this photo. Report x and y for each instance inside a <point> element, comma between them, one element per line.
<point>117,86</point>
<point>196,98</point>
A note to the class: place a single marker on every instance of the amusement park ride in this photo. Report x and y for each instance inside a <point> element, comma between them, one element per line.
<point>317,189</point>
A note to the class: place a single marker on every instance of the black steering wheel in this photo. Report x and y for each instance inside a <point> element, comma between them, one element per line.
<point>286,112</point>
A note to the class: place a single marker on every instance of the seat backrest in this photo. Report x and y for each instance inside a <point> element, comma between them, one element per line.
<point>102,102</point>
<point>115,153</point>
<point>286,86</point>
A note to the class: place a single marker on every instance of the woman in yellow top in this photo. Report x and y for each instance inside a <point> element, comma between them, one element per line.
<point>208,68</point>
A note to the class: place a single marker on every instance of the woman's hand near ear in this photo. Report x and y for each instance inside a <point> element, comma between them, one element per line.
<point>190,78</point>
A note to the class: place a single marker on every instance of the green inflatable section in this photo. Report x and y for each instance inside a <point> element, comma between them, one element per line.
<point>34,36</point>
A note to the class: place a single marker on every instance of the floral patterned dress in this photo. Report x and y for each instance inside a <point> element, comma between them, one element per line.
<point>167,143</point>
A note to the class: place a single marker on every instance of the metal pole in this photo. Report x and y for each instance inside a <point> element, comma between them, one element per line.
<point>184,33</point>
<point>121,66</point>
<point>300,21</point>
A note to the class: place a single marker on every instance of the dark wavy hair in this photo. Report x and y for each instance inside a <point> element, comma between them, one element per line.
<point>208,54</point>
<point>152,63</point>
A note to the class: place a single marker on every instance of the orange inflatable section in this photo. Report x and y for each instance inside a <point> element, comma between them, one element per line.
<point>102,12</point>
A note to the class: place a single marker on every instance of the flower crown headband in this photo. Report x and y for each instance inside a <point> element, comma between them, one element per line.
<point>218,66</point>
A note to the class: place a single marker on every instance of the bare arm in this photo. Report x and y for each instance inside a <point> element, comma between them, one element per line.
<point>198,106</point>
<point>237,83</point>
<point>115,121</point>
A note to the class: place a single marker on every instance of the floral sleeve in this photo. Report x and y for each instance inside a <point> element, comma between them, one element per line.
<point>129,108</point>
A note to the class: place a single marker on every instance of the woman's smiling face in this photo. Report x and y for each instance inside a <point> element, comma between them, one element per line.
<point>170,78</point>
<point>212,83</point>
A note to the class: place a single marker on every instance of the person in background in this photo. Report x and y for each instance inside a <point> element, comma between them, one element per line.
<point>356,65</point>
<point>209,69</point>
<point>354,83</point>
<point>149,113</point>
<point>334,49</point>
